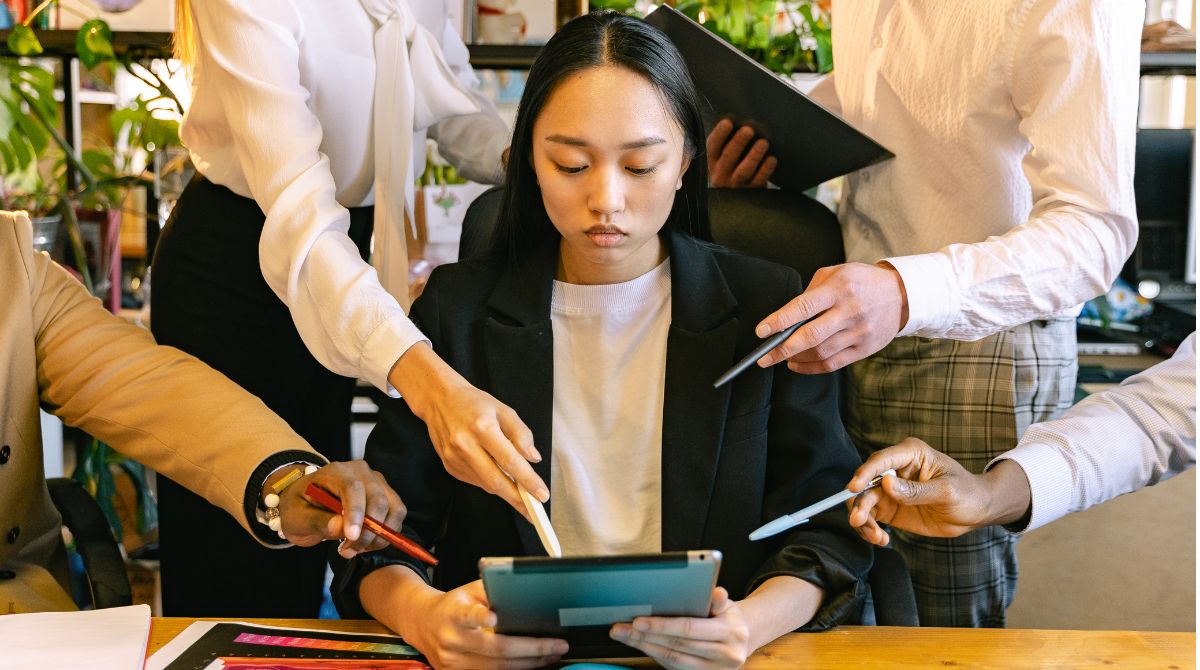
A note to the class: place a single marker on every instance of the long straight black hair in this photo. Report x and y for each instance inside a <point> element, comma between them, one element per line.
<point>601,38</point>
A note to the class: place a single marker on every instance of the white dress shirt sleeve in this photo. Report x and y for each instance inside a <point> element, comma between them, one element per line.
<point>1112,442</point>
<point>473,143</point>
<point>1074,81</point>
<point>249,51</point>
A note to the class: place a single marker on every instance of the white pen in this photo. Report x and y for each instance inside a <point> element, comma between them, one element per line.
<point>796,518</point>
<point>541,522</point>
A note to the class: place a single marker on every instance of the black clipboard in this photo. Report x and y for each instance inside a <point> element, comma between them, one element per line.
<point>811,143</point>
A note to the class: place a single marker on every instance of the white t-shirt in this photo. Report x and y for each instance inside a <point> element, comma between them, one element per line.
<point>610,358</point>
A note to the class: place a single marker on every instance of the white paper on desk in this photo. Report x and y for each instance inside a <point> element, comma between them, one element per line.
<point>107,639</point>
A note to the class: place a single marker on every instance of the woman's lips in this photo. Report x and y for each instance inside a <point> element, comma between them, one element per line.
<point>605,236</point>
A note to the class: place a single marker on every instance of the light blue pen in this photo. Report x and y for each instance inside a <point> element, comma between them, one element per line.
<point>796,518</point>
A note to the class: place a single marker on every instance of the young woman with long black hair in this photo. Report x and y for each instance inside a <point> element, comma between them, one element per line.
<point>603,315</point>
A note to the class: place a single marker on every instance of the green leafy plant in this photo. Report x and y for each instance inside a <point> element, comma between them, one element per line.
<point>34,163</point>
<point>786,36</point>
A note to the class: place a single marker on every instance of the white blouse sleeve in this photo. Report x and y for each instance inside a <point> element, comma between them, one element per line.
<point>1074,80</point>
<point>472,143</point>
<point>1113,442</point>
<point>248,51</point>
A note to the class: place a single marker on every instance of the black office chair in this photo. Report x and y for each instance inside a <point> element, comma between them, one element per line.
<point>104,568</point>
<point>787,228</point>
<point>780,226</point>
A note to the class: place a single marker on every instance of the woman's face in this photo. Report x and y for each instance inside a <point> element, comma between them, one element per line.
<point>608,157</point>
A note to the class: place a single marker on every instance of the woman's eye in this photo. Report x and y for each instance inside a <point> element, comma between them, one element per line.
<point>567,169</point>
<point>643,171</point>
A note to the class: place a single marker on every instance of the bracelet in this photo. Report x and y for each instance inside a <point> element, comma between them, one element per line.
<point>268,511</point>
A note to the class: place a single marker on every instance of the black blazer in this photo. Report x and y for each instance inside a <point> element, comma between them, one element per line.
<point>769,443</point>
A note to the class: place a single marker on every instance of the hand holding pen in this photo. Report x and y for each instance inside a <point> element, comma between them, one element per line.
<point>362,491</point>
<point>933,495</point>
<point>853,309</point>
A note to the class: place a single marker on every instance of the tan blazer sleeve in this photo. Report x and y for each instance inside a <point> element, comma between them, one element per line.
<point>153,403</point>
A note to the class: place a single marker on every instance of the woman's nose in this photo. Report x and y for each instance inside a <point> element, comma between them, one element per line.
<point>607,196</point>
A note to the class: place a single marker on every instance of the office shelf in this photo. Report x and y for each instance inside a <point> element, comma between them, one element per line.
<point>1168,63</point>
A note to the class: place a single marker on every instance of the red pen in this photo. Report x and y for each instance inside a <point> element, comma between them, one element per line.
<point>331,502</point>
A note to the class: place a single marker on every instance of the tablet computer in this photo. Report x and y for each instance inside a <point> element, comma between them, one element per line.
<point>579,598</point>
<point>811,143</point>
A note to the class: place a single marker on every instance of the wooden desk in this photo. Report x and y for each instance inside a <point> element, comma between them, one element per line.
<point>865,647</point>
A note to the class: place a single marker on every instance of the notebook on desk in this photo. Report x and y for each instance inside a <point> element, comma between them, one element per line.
<point>811,143</point>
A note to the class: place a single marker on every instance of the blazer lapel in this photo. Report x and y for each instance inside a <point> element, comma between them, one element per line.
<point>519,353</point>
<point>700,346</point>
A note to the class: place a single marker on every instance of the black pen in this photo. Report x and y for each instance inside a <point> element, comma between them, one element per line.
<point>759,351</point>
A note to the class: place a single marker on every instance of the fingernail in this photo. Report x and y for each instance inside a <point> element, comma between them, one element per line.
<point>353,531</point>
<point>620,634</point>
<point>640,625</point>
<point>536,458</point>
<point>543,494</point>
<point>559,648</point>
<point>899,485</point>
<point>763,330</point>
<point>764,362</point>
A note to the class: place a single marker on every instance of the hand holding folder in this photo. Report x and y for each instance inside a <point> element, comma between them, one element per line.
<point>811,143</point>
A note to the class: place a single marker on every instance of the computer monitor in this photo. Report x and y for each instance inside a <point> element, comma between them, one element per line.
<point>1165,187</point>
<point>1189,267</point>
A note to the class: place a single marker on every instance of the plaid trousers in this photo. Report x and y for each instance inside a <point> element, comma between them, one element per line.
<point>972,401</point>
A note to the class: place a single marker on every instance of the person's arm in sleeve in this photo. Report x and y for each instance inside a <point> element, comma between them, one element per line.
<point>473,143</point>
<point>1111,443</point>
<point>352,326</point>
<point>173,413</point>
<point>399,448</point>
<point>810,456</point>
<point>347,320</point>
<point>1073,78</point>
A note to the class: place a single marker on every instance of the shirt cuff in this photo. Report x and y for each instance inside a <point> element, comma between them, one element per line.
<point>932,293</point>
<point>258,479</point>
<point>1050,482</point>
<point>384,347</point>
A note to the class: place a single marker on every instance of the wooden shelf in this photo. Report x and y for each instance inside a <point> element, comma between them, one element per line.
<point>503,56</point>
<point>61,43</point>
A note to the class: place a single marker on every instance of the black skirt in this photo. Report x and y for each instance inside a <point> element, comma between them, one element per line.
<point>209,298</point>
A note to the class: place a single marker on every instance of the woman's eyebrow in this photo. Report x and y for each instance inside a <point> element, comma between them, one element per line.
<point>576,142</point>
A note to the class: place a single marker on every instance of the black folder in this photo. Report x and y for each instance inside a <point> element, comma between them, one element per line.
<point>811,143</point>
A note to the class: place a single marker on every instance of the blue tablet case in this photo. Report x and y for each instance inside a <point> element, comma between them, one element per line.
<point>579,598</point>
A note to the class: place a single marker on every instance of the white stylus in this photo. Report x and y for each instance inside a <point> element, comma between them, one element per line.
<point>537,512</point>
<point>796,518</point>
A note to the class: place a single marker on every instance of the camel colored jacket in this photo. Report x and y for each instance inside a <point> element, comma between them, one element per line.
<point>60,350</point>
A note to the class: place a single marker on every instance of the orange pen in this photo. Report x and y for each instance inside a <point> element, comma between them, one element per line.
<point>331,502</point>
